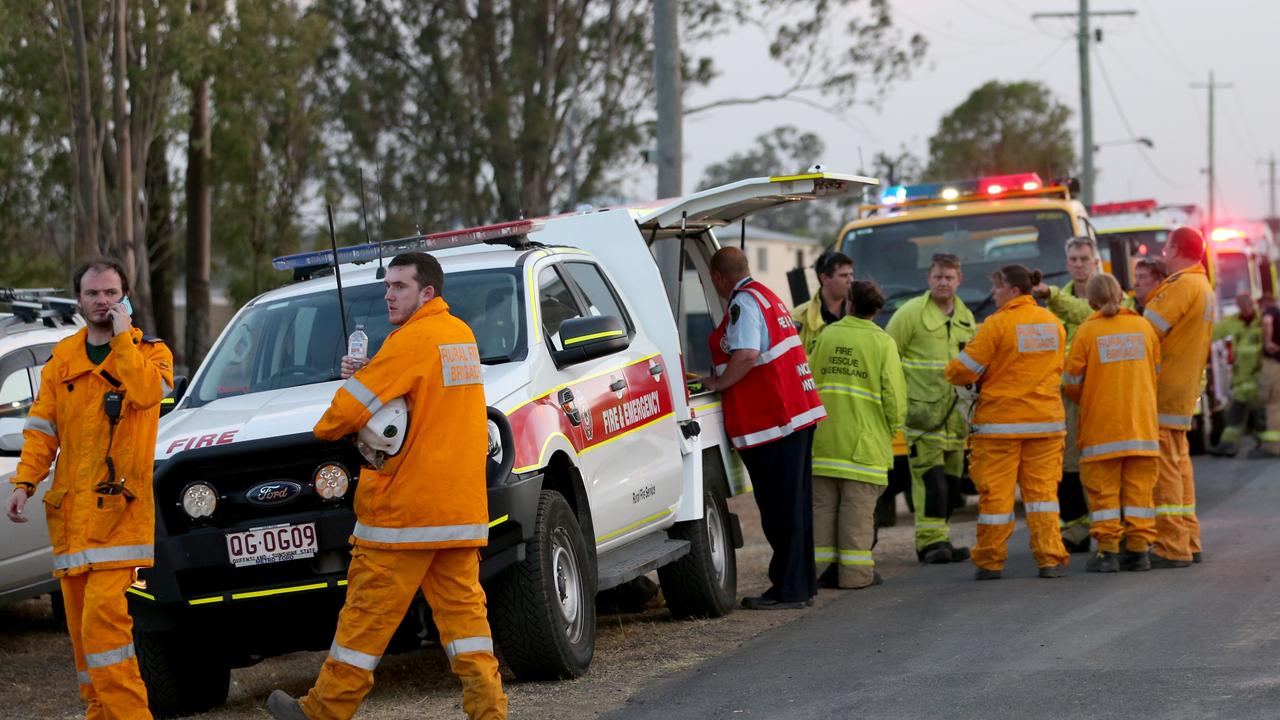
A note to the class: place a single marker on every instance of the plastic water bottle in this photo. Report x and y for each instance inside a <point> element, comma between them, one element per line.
<point>358,345</point>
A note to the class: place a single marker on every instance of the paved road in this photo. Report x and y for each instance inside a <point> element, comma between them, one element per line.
<point>1203,642</point>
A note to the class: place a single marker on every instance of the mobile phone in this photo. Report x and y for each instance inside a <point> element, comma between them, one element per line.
<point>128,306</point>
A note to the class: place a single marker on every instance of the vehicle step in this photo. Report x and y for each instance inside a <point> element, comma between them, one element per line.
<point>638,558</point>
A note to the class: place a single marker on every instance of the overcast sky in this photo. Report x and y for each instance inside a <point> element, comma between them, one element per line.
<point>1150,60</point>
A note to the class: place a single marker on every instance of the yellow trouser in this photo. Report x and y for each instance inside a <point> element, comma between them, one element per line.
<point>102,640</point>
<point>1269,395</point>
<point>1177,529</point>
<point>997,465</point>
<point>1120,501</point>
<point>380,586</point>
<point>844,528</point>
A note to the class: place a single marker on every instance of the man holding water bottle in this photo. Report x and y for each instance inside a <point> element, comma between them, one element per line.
<point>422,514</point>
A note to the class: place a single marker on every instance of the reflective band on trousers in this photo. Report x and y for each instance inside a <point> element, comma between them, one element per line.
<point>468,645</point>
<point>985,519</point>
<point>1178,421</point>
<point>1139,512</point>
<point>1173,510</point>
<point>1154,318</point>
<point>103,555</point>
<point>1041,507</point>
<point>970,363</point>
<point>1120,446</point>
<point>82,676</point>
<point>430,534</point>
<point>1100,515</point>
<point>362,394</point>
<point>355,658</point>
<point>108,657</point>
<point>823,552</point>
<point>39,424</point>
<point>1072,379</point>
<point>857,558</point>
<point>1019,428</point>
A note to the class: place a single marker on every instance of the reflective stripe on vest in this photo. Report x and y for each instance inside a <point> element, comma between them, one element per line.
<point>1100,515</point>
<point>362,394</point>
<point>1154,318</point>
<point>92,556</point>
<point>769,355</point>
<point>970,363</point>
<point>852,392</point>
<point>1120,446</point>
<point>428,534</point>
<point>469,645</point>
<point>108,657</point>
<point>1041,507</point>
<point>39,424</point>
<point>1019,428</point>
<point>1139,512</point>
<point>865,470</point>
<point>989,519</point>
<point>1180,422</point>
<point>354,658</point>
<point>773,433</point>
<point>857,558</point>
<point>924,364</point>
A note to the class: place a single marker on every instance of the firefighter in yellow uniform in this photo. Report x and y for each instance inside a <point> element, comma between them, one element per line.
<point>830,303</point>
<point>1018,428</point>
<point>1182,311</point>
<point>1118,438</point>
<point>97,413</point>
<point>422,515</point>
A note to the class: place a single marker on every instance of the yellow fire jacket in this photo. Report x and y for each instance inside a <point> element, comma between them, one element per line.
<point>1111,372</point>
<point>1182,309</point>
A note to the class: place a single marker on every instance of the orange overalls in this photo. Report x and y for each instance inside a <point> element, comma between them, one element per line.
<point>419,518</point>
<point>1111,373</point>
<point>1182,310</point>
<point>1017,428</point>
<point>99,539</point>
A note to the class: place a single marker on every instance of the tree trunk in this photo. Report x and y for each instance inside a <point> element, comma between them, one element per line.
<point>124,151</point>
<point>86,144</point>
<point>199,226</point>
<point>159,241</point>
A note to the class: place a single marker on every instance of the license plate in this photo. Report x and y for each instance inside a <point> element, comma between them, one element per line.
<point>272,544</point>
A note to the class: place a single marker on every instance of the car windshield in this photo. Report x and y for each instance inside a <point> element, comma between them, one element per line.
<point>897,255</point>
<point>1231,276</point>
<point>298,340</point>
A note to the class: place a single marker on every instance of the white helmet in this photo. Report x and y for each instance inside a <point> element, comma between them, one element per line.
<point>383,435</point>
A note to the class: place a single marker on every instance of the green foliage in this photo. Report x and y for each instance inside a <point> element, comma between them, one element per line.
<point>1004,128</point>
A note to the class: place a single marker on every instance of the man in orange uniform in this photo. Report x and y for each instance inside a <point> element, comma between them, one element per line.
<point>422,515</point>
<point>1119,441</point>
<point>97,412</point>
<point>1019,426</point>
<point>1182,309</point>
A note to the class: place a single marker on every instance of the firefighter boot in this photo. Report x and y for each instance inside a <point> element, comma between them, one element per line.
<point>1131,561</point>
<point>1054,571</point>
<point>282,706</point>
<point>1103,562</point>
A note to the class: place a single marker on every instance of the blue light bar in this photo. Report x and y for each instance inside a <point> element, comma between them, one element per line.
<point>503,233</point>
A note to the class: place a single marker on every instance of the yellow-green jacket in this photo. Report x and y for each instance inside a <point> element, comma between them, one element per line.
<point>859,377</point>
<point>927,340</point>
<point>1246,341</point>
<point>809,322</point>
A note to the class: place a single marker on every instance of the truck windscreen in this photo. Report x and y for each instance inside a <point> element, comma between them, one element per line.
<point>897,255</point>
<point>298,340</point>
<point>1231,277</point>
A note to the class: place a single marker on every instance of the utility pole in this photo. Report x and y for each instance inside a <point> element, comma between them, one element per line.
<point>1273,219</point>
<point>1082,16</point>
<point>668,88</point>
<point>1211,87</point>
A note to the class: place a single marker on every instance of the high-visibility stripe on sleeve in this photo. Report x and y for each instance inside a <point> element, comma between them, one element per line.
<point>355,658</point>
<point>107,658</point>
<point>1155,319</point>
<point>1041,507</point>
<point>475,644</point>
<point>970,363</point>
<point>362,394</point>
<point>39,424</point>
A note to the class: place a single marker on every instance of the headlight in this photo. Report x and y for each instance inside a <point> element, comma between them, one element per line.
<point>331,481</point>
<point>495,443</point>
<point>199,499</point>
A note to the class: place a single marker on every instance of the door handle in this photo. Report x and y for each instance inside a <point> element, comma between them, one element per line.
<point>655,370</point>
<point>618,385</point>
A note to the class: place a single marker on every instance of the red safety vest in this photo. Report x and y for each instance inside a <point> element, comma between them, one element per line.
<point>776,397</point>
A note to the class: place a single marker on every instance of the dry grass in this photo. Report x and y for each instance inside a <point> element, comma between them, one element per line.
<point>631,652</point>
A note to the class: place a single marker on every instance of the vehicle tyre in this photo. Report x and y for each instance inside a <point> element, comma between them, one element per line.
<point>704,583</point>
<point>182,676</point>
<point>543,611</point>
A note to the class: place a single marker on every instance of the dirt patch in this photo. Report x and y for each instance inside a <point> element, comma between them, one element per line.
<point>631,651</point>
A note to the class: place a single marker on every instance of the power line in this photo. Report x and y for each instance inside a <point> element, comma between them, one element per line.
<point>1056,49</point>
<point>993,18</point>
<point>1173,51</point>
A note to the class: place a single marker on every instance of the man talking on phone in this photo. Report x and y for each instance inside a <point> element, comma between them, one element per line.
<point>97,413</point>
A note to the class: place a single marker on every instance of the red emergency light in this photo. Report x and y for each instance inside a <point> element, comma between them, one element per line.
<point>1128,206</point>
<point>1000,184</point>
<point>1225,234</point>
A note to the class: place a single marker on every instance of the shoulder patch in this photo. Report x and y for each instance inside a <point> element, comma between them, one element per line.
<point>735,311</point>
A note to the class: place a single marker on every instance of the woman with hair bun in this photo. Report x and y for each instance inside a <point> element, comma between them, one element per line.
<point>1019,423</point>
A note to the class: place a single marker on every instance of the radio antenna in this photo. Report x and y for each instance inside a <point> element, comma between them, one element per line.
<point>337,272</point>
<point>382,205</point>
<point>364,216</point>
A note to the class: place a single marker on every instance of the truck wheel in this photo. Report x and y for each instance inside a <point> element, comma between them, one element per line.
<point>182,676</point>
<point>543,610</point>
<point>703,583</point>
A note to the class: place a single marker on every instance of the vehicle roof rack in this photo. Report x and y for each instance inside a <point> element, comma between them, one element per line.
<point>307,264</point>
<point>31,305</point>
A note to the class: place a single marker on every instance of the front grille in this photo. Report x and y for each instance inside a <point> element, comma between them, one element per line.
<point>234,469</point>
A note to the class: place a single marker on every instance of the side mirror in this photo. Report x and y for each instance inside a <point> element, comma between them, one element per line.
<point>588,338</point>
<point>171,400</point>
